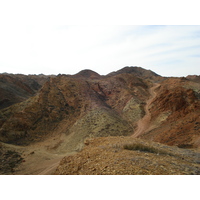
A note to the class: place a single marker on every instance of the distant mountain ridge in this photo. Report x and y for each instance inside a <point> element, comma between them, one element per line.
<point>138,71</point>
<point>87,74</point>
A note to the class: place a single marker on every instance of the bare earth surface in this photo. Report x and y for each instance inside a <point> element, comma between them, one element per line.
<point>38,159</point>
<point>143,124</point>
<point>110,156</point>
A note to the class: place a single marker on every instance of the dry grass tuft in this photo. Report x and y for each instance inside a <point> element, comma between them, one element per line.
<point>143,148</point>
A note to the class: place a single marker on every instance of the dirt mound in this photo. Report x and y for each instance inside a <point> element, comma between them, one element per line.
<point>125,155</point>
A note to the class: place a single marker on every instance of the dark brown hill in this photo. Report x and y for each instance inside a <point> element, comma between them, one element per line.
<point>87,74</point>
<point>139,72</point>
<point>194,78</point>
<point>15,88</point>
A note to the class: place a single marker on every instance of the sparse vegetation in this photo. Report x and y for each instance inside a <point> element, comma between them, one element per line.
<point>129,156</point>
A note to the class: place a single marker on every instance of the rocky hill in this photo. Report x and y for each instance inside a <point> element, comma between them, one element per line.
<point>176,114</point>
<point>51,117</point>
<point>65,105</point>
<point>194,78</point>
<point>139,72</point>
<point>15,88</point>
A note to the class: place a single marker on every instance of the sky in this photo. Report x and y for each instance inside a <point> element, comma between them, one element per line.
<point>38,37</point>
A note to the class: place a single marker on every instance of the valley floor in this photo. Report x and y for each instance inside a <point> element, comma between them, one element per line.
<point>36,159</point>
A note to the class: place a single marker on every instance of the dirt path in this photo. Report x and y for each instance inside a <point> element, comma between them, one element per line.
<point>41,162</point>
<point>143,124</point>
<point>40,158</point>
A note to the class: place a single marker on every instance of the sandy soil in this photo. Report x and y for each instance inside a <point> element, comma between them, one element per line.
<point>40,158</point>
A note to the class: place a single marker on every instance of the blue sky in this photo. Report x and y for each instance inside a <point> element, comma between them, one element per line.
<point>36,38</point>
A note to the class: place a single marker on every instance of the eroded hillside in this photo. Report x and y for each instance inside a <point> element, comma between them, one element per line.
<point>77,106</point>
<point>176,114</point>
<point>59,116</point>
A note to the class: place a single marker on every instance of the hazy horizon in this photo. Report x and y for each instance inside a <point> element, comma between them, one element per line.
<point>91,70</point>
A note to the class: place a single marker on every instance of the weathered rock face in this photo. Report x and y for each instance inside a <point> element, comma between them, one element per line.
<point>79,106</point>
